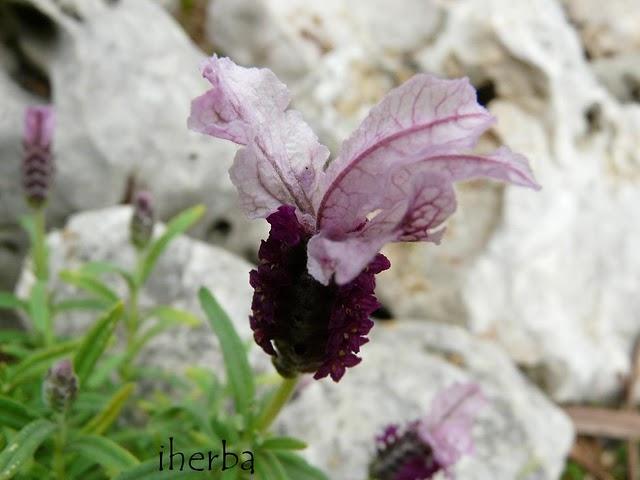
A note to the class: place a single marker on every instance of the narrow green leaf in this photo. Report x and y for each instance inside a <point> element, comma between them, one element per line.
<point>175,315</point>
<point>39,309</point>
<point>98,268</point>
<point>22,446</point>
<point>12,335</point>
<point>95,342</point>
<point>268,467</point>
<point>176,226</point>
<point>80,304</point>
<point>151,470</point>
<point>168,317</point>
<point>38,363</point>
<point>101,422</point>
<point>283,443</point>
<point>103,370</point>
<point>14,414</point>
<point>9,301</point>
<point>91,284</point>
<point>239,374</point>
<point>103,451</point>
<point>297,467</point>
<point>17,351</point>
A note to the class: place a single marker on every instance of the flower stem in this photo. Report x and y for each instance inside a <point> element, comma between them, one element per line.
<point>132,332</point>
<point>39,246</point>
<point>276,402</point>
<point>59,444</point>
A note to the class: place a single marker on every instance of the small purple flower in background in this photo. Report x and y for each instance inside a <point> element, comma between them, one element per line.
<point>60,386</point>
<point>142,220</point>
<point>432,444</point>
<point>392,181</point>
<point>37,165</point>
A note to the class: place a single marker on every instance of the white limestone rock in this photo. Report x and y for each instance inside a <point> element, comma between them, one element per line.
<point>606,30</point>
<point>520,434</point>
<point>292,36</point>
<point>122,76</point>
<point>187,265</point>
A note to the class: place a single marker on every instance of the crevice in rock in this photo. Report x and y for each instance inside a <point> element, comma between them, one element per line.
<point>17,22</point>
<point>383,313</point>
<point>220,228</point>
<point>486,92</point>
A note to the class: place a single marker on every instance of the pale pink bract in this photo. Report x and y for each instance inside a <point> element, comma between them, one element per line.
<point>448,426</point>
<point>392,180</point>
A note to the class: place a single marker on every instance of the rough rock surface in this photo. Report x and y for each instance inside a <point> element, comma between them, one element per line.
<point>552,275</point>
<point>611,42</point>
<point>103,235</point>
<point>121,78</point>
<point>520,434</point>
<point>606,31</point>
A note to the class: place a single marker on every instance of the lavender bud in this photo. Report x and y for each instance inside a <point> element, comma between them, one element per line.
<point>37,164</point>
<point>60,386</point>
<point>141,227</point>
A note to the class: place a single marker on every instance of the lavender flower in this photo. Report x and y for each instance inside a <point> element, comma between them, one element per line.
<point>391,181</point>
<point>432,444</point>
<point>142,220</point>
<point>60,386</point>
<point>37,165</point>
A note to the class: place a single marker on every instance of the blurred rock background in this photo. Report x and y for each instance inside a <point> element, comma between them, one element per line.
<point>550,280</point>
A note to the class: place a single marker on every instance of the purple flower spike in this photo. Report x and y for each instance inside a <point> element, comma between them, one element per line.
<point>37,165</point>
<point>392,181</point>
<point>432,444</point>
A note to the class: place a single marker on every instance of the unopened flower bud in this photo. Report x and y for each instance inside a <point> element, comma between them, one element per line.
<point>37,165</point>
<point>60,386</point>
<point>142,220</point>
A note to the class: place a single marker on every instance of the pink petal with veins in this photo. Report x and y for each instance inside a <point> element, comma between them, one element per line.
<point>400,165</point>
<point>425,116</point>
<point>447,427</point>
<point>282,160</point>
<point>420,202</point>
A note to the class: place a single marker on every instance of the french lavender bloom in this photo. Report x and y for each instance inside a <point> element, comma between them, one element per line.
<point>392,181</point>
<point>432,444</point>
<point>37,164</point>
<point>142,219</point>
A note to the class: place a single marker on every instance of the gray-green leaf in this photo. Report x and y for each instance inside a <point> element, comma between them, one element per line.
<point>239,374</point>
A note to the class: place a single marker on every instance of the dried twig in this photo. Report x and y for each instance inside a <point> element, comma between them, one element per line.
<point>632,445</point>
<point>605,422</point>
<point>587,453</point>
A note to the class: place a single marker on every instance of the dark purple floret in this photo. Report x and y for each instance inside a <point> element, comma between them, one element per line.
<point>306,326</point>
<point>403,455</point>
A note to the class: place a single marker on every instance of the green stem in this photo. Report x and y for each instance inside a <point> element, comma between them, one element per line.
<point>132,332</point>
<point>40,247</point>
<point>133,315</point>
<point>278,400</point>
<point>58,452</point>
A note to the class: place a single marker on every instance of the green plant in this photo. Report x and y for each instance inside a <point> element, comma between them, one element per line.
<point>108,425</point>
